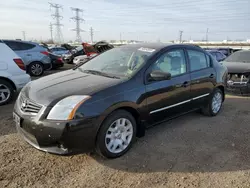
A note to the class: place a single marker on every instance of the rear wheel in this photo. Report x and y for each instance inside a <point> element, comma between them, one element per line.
<point>36,69</point>
<point>6,92</point>
<point>214,104</point>
<point>116,134</point>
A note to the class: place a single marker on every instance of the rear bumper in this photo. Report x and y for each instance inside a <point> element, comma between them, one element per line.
<point>47,66</point>
<point>57,65</point>
<point>20,81</point>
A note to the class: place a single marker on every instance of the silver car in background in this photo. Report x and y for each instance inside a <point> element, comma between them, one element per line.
<point>58,50</point>
<point>35,57</point>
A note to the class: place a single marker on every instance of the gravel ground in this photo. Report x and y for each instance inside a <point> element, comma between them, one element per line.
<point>191,151</point>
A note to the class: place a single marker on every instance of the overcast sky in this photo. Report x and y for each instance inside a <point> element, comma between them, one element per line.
<point>149,20</point>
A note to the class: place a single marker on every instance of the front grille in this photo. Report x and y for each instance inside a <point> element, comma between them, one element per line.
<point>29,106</point>
<point>238,79</point>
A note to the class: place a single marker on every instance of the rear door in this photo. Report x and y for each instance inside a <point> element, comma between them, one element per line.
<point>203,75</point>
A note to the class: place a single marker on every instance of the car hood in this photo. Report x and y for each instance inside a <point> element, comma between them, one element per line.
<point>237,67</point>
<point>50,89</point>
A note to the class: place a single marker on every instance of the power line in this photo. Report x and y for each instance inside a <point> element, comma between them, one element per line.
<point>91,34</point>
<point>78,20</point>
<point>58,18</point>
<point>184,4</point>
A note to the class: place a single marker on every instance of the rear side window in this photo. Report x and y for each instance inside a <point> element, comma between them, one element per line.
<point>25,46</point>
<point>198,60</point>
<point>15,46</point>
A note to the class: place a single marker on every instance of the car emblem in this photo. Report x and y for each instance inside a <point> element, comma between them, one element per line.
<point>24,104</point>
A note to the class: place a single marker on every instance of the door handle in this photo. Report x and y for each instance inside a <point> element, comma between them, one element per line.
<point>28,54</point>
<point>185,84</point>
<point>211,76</point>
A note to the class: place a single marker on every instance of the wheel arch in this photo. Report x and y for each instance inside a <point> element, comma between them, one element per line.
<point>133,111</point>
<point>10,81</point>
<point>222,88</point>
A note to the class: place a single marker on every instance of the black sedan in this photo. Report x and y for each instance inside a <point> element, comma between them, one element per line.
<point>110,100</point>
<point>238,65</point>
<point>56,61</point>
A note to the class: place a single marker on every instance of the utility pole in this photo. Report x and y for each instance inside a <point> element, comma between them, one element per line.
<point>51,31</point>
<point>181,36</point>
<point>91,34</point>
<point>24,35</point>
<point>57,17</point>
<point>120,37</point>
<point>78,20</point>
<point>207,35</point>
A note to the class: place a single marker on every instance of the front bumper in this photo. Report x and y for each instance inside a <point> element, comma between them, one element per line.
<point>239,89</point>
<point>58,137</point>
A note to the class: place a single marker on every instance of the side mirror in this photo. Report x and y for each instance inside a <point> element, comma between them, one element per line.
<point>159,75</point>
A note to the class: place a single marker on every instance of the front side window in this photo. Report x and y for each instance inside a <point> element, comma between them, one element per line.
<point>172,62</point>
<point>122,62</point>
<point>198,60</point>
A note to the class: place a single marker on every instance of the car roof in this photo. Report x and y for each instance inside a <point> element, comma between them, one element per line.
<point>213,51</point>
<point>27,42</point>
<point>159,46</point>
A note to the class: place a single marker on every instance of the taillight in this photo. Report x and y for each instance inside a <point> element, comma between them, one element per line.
<point>19,63</point>
<point>60,60</point>
<point>45,53</point>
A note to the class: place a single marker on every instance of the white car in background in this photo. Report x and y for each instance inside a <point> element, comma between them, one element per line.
<point>82,58</point>
<point>12,74</point>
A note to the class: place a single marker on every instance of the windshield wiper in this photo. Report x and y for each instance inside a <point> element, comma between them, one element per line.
<point>100,73</point>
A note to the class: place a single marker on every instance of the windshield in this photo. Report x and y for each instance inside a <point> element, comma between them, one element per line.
<point>240,56</point>
<point>122,62</point>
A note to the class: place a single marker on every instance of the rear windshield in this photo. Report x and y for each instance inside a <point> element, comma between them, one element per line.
<point>240,56</point>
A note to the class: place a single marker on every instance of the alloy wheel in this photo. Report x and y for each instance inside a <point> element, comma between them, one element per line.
<point>36,69</point>
<point>119,135</point>
<point>4,93</point>
<point>216,102</point>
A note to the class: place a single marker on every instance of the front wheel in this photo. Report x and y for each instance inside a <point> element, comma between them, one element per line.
<point>116,134</point>
<point>214,104</point>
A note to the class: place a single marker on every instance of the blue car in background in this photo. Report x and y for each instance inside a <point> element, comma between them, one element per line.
<point>58,50</point>
<point>35,57</point>
<point>219,56</point>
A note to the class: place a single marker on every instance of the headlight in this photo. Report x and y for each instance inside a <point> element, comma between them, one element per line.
<point>66,108</point>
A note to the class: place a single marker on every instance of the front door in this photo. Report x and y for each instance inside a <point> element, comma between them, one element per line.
<point>168,98</point>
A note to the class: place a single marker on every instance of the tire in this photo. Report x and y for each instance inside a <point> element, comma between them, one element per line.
<point>32,72</point>
<point>5,85</point>
<point>102,142</point>
<point>70,61</point>
<point>208,110</point>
